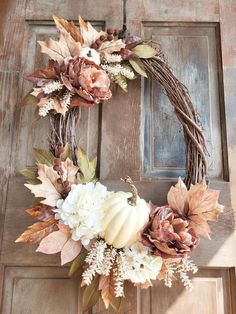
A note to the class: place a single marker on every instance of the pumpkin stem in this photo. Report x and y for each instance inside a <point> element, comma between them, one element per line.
<point>133,199</point>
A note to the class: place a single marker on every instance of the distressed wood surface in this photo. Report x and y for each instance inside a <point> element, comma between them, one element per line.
<point>39,290</point>
<point>119,142</point>
<point>192,49</point>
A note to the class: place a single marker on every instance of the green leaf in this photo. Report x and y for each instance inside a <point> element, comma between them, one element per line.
<point>67,152</point>
<point>37,201</point>
<point>29,99</point>
<point>91,295</point>
<point>43,156</point>
<point>138,66</point>
<point>77,263</point>
<point>87,167</point>
<point>36,114</point>
<point>33,181</point>
<point>29,172</point>
<point>144,51</point>
<point>116,303</point>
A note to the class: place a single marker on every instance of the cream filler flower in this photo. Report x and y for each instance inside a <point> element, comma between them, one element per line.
<point>82,210</point>
<point>141,266</point>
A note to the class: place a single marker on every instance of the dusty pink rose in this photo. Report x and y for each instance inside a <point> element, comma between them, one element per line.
<point>95,81</point>
<point>168,235</point>
<point>86,79</point>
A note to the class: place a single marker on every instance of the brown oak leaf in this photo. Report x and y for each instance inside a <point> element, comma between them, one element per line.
<point>111,46</point>
<point>70,251</point>
<point>88,32</point>
<point>53,243</point>
<point>38,231</point>
<point>41,212</point>
<point>68,27</point>
<point>60,241</point>
<point>107,287</point>
<point>198,205</point>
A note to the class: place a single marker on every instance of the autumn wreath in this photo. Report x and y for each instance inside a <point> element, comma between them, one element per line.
<point>110,237</point>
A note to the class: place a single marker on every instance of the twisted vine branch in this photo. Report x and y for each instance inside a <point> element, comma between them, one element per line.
<point>196,164</point>
<point>63,131</point>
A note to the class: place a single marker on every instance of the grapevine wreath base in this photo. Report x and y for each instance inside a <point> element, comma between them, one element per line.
<point>110,237</point>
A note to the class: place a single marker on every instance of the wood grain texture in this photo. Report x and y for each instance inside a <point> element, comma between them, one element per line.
<point>12,34</point>
<point>39,290</point>
<point>228,32</point>
<point>22,22</point>
<point>99,10</point>
<point>191,50</point>
<point>8,102</point>
<point>210,295</point>
<point>120,136</point>
<point>129,305</point>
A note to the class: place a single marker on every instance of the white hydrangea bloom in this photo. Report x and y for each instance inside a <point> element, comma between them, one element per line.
<point>142,266</point>
<point>82,210</point>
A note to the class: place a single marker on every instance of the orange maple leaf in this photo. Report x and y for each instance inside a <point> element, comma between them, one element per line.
<point>38,231</point>
<point>198,205</point>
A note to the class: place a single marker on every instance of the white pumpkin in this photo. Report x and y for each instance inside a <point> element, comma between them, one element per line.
<point>90,54</point>
<point>123,221</point>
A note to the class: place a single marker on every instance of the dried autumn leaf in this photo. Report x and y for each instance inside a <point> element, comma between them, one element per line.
<point>53,243</point>
<point>116,303</point>
<point>177,196</point>
<point>47,189</point>
<point>138,66</point>
<point>69,171</point>
<point>43,156</point>
<point>29,172</point>
<point>58,107</point>
<point>88,32</point>
<point>203,206</point>
<point>77,263</point>
<point>91,295</point>
<point>144,51</point>
<point>29,99</point>
<point>70,251</point>
<point>79,101</point>
<point>56,50</point>
<point>111,46</point>
<point>38,231</point>
<point>107,287</point>
<point>42,77</point>
<point>198,205</point>
<point>41,212</point>
<point>69,27</point>
<point>87,167</point>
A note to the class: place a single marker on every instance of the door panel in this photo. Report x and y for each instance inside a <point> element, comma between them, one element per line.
<point>210,295</point>
<point>39,290</point>
<point>192,50</point>
<point>197,37</point>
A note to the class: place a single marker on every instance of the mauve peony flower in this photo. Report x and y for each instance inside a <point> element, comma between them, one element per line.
<point>168,235</point>
<point>95,81</point>
<point>86,79</point>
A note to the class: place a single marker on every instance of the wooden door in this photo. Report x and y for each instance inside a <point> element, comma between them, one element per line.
<point>135,134</point>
